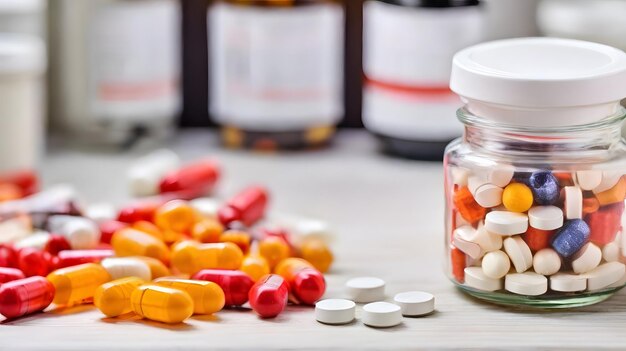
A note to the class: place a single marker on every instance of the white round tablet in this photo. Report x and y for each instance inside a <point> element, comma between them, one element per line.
<point>335,311</point>
<point>459,175</point>
<point>461,240</point>
<point>610,252</point>
<point>366,289</point>
<point>488,195</point>
<point>487,241</point>
<point>381,314</point>
<point>506,223</point>
<point>586,259</point>
<point>609,180</point>
<point>567,282</point>
<point>573,202</point>
<point>546,262</point>
<point>474,182</point>
<point>496,264</point>
<point>475,278</point>
<point>589,179</point>
<point>528,283</point>
<point>604,275</point>
<point>519,253</point>
<point>415,303</point>
<point>545,217</point>
<point>501,175</point>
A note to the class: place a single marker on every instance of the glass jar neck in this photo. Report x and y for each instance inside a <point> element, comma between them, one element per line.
<point>580,141</point>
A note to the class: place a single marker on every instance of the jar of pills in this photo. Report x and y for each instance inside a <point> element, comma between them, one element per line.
<point>407,48</point>
<point>276,72</point>
<point>535,187</point>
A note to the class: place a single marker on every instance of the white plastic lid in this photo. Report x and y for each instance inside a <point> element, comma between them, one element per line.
<point>540,73</point>
<point>20,53</point>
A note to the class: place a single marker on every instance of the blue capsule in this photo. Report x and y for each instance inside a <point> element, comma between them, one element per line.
<point>572,236</point>
<point>545,187</point>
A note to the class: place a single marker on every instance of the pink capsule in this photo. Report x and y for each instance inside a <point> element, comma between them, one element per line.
<point>69,258</point>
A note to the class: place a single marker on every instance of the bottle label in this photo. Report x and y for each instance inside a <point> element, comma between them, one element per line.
<point>407,59</point>
<point>134,60</point>
<point>276,69</point>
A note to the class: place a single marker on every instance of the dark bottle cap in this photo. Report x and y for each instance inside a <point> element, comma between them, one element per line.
<point>432,3</point>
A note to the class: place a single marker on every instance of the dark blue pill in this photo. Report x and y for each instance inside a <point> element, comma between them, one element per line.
<point>572,236</point>
<point>545,187</point>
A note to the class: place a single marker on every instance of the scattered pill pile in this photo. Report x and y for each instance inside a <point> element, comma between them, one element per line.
<point>537,232</point>
<point>375,313</point>
<point>164,257</point>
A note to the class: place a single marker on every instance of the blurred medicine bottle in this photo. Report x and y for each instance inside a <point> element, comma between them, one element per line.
<point>407,52</point>
<point>115,69</point>
<point>276,72</point>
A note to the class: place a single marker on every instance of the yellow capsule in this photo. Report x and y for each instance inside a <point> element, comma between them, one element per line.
<point>175,215</point>
<point>148,227</point>
<point>190,256</point>
<point>255,266</point>
<point>237,237</point>
<point>161,304</point>
<point>132,242</point>
<point>207,296</point>
<point>317,253</point>
<point>207,230</point>
<point>77,283</point>
<point>517,197</point>
<point>113,298</point>
<point>157,268</point>
<point>274,249</point>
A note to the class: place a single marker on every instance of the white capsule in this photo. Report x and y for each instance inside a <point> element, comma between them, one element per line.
<point>415,303</point>
<point>496,264</point>
<point>122,267</point>
<point>528,283</point>
<point>381,314</point>
<point>100,212</point>
<point>506,223</point>
<point>146,173</point>
<point>545,217</point>
<point>81,233</point>
<point>586,259</point>
<point>546,262</point>
<point>335,311</point>
<point>475,278</point>
<point>519,253</point>
<point>37,240</point>
<point>365,289</point>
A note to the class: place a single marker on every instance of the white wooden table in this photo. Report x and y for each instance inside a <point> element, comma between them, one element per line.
<point>388,218</point>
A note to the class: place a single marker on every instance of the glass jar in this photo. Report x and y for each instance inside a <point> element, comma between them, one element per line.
<point>276,72</point>
<point>407,47</point>
<point>535,187</point>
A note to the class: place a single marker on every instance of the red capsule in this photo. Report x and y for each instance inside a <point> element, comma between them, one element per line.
<point>34,262</point>
<point>8,274</point>
<point>139,211</point>
<point>27,181</point>
<point>8,256</point>
<point>246,207</point>
<point>268,297</point>
<point>236,284</point>
<point>108,228</point>
<point>307,284</point>
<point>23,296</point>
<point>68,258</point>
<point>199,177</point>
<point>57,243</point>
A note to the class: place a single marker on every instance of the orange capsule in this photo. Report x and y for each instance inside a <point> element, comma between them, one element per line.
<point>274,249</point>
<point>255,266</point>
<point>131,242</point>
<point>190,256</point>
<point>590,205</point>
<point>77,283</point>
<point>161,304</point>
<point>207,230</point>
<point>148,227</point>
<point>317,253</point>
<point>175,215</point>
<point>237,237</point>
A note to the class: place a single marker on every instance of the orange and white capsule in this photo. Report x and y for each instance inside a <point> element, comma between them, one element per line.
<point>161,304</point>
<point>77,283</point>
<point>157,268</point>
<point>122,267</point>
<point>113,298</point>
<point>190,256</point>
<point>207,297</point>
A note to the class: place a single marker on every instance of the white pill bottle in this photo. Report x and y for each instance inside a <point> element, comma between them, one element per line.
<point>115,69</point>
<point>276,72</point>
<point>407,48</point>
<point>22,101</point>
<point>540,168</point>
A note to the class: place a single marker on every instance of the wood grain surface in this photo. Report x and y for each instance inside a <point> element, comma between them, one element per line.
<point>387,214</point>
